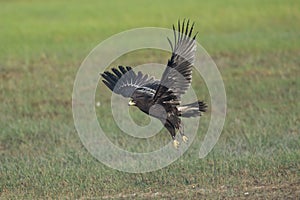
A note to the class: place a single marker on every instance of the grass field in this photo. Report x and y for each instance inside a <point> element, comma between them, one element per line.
<point>256,47</point>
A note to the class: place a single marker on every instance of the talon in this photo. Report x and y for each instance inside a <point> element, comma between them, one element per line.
<point>185,139</point>
<point>176,144</point>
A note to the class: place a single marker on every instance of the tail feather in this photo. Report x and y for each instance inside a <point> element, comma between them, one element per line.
<point>193,109</point>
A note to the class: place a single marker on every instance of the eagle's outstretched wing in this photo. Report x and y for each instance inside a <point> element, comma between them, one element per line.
<point>125,81</point>
<point>177,76</point>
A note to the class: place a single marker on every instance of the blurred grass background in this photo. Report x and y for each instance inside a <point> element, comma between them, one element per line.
<point>256,47</point>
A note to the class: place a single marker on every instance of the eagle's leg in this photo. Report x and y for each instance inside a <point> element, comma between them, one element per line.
<point>181,131</point>
<point>172,131</point>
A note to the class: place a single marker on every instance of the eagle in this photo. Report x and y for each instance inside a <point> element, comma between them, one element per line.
<point>162,98</point>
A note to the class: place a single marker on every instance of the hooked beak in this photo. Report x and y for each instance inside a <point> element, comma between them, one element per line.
<point>131,103</point>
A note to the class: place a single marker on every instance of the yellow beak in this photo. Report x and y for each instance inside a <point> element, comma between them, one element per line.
<point>131,103</point>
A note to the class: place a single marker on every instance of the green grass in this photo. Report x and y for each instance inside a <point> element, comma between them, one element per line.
<point>256,47</point>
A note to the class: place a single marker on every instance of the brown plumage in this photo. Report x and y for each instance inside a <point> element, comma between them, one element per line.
<point>161,99</point>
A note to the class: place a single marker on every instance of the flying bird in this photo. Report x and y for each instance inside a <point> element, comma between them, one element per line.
<point>162,98</point>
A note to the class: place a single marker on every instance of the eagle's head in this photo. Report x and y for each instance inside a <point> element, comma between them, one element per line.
<point>141,97</point>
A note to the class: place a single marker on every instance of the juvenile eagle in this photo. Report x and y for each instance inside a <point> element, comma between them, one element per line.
<point>161,98</point>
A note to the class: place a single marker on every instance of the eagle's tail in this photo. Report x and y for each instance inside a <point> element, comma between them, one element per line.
<point>193,109</point>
